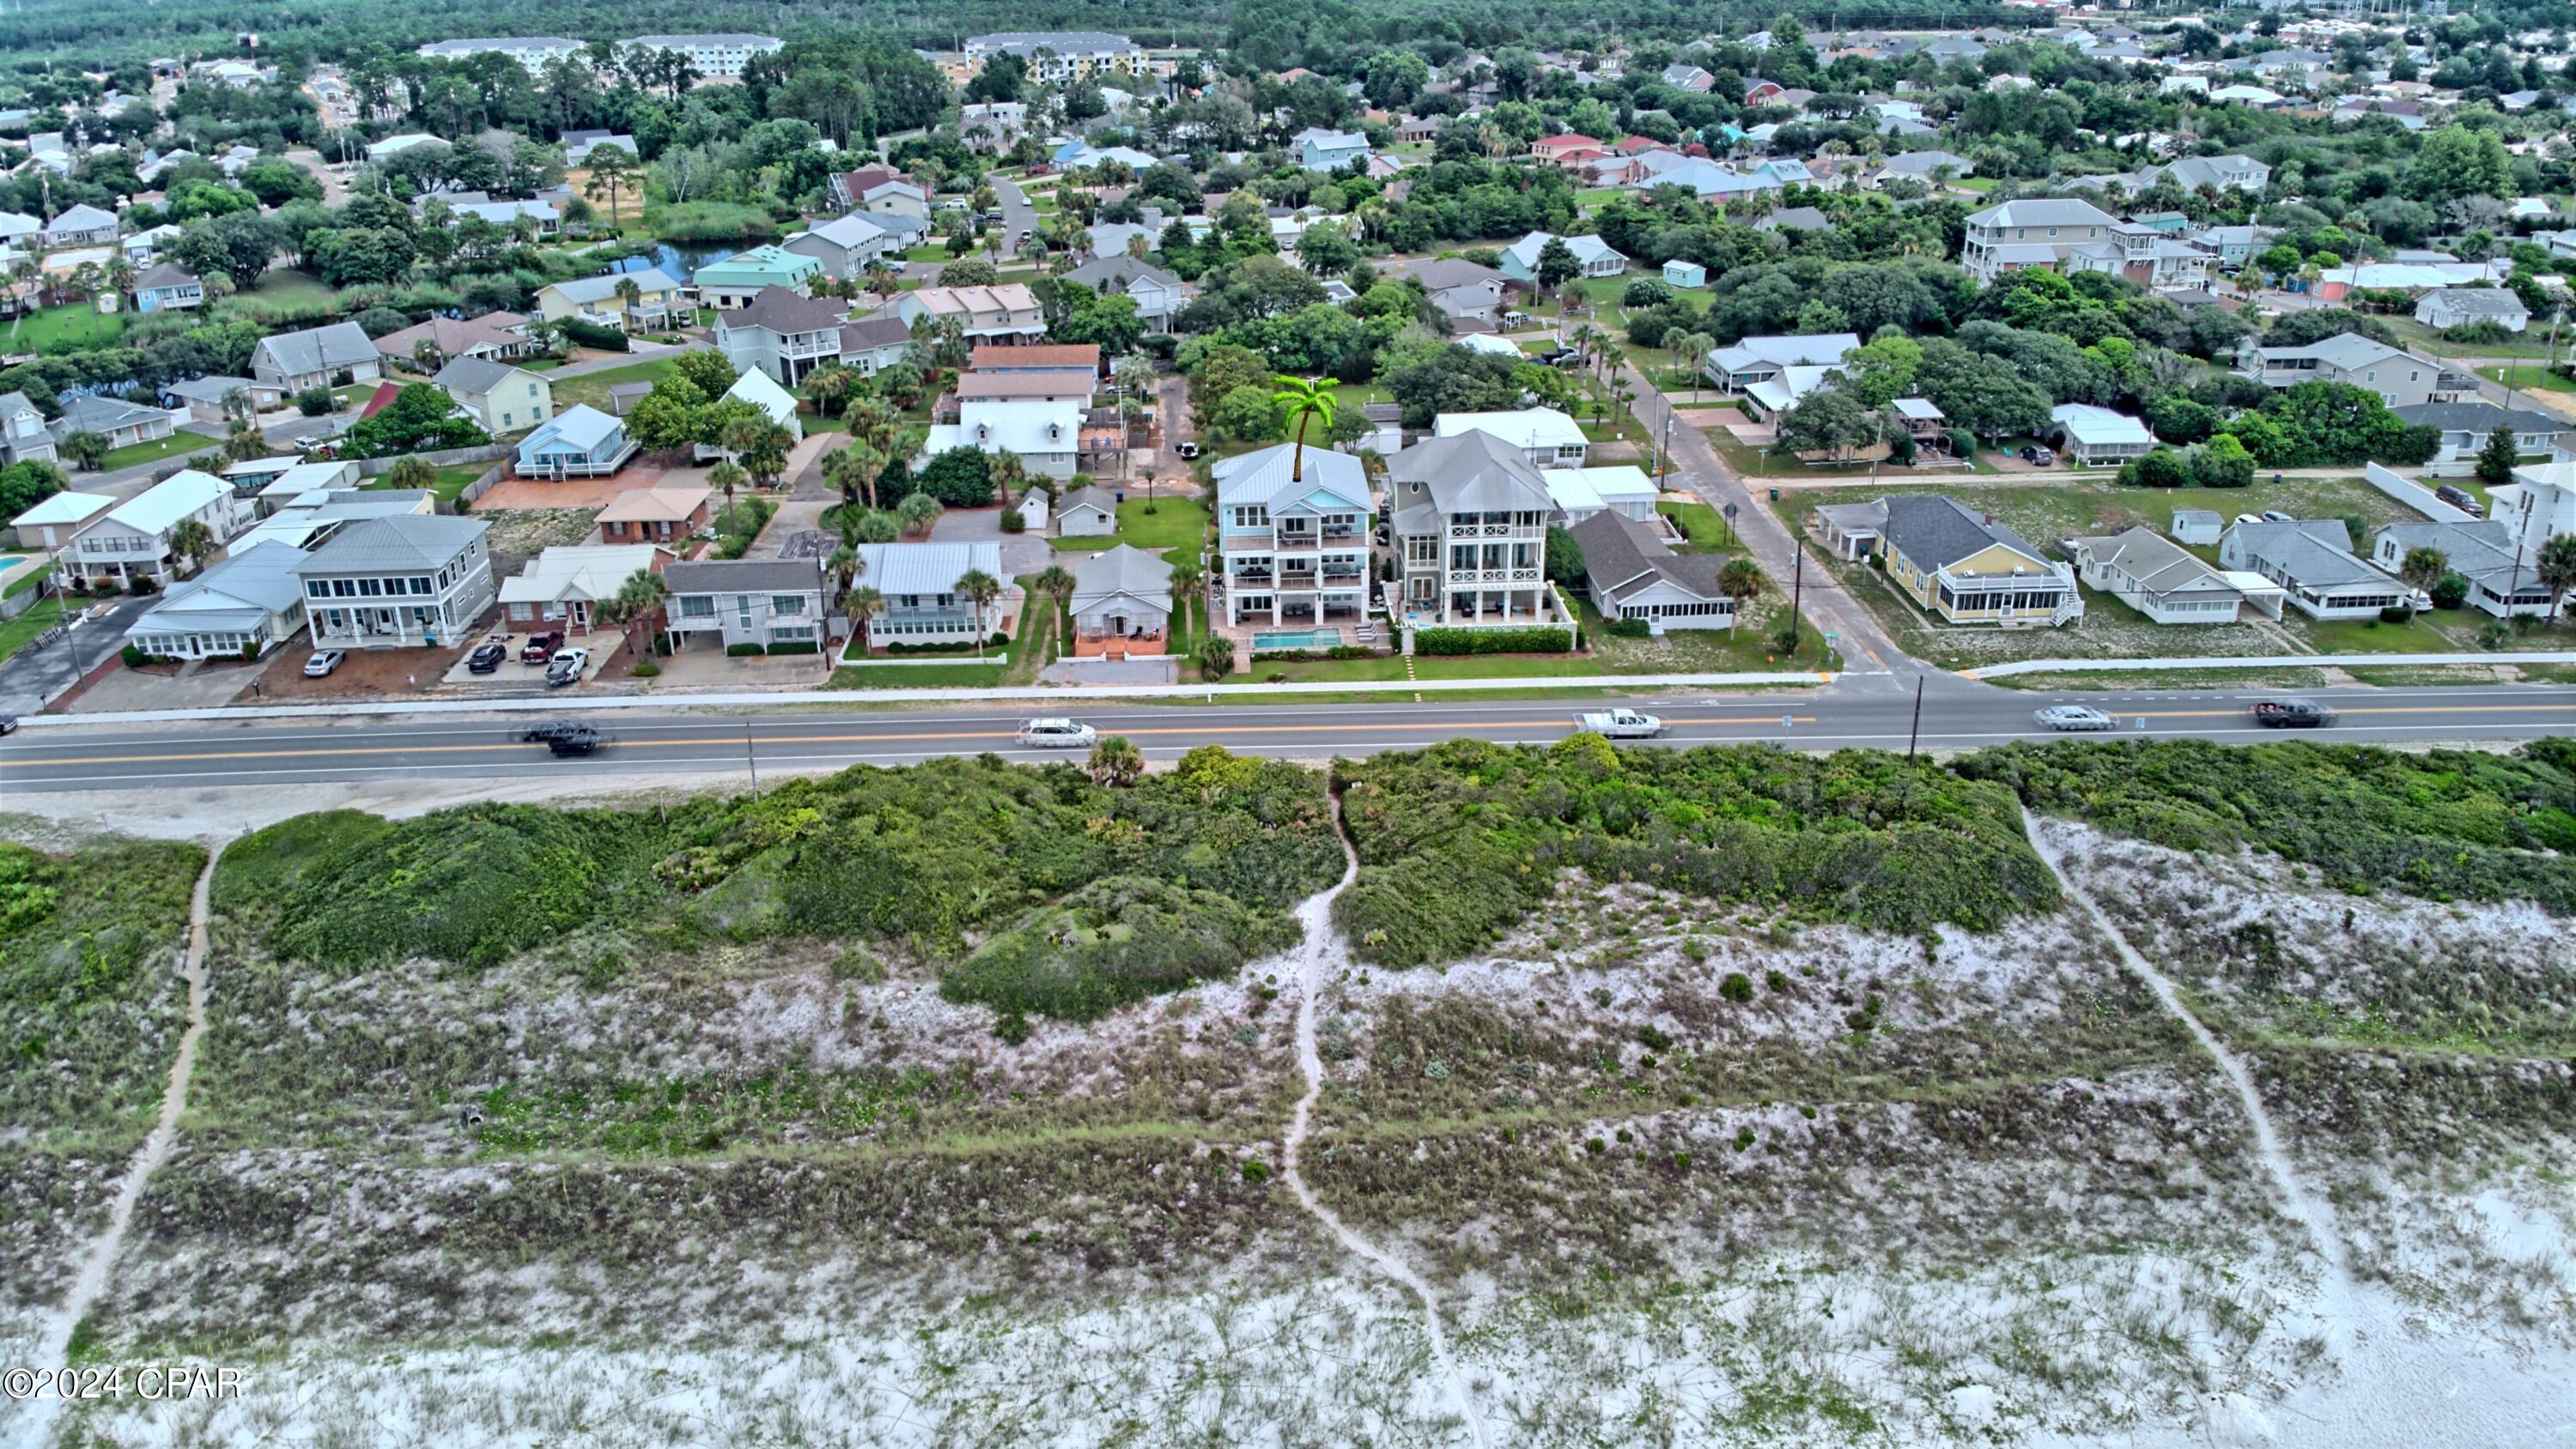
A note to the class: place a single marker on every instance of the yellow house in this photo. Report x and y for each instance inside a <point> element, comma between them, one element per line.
<point>1954,562</point>
<point>595,300</point>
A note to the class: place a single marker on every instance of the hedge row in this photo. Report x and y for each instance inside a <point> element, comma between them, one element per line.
<point>1493,641</point>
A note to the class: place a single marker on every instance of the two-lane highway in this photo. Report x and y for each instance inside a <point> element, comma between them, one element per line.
<point>256,754</point>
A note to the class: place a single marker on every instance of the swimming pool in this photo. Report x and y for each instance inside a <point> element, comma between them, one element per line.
<point>1297,639</point>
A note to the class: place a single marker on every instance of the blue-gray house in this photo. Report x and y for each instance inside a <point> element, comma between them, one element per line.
<point>1321,150</point>
<point>579,442</point>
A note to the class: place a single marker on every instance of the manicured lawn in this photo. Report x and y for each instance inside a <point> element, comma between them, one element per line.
<point>1350,396</point>
<point>64,327</point>
<point>1175,523</point>
<point>592,388</point>
<point>21,631</point>
<point>177,445</point>
<point>451,481</point>
<point>928,252</point>
<point>2527,375</point>
<point>1704,525</point>
<point>2533,343</point>
<point>1975,183</point>
<point>916,676</point>
<point>287,287</point>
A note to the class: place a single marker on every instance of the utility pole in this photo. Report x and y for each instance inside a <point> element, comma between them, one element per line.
<point>750,759</point>
<point>1916,730</point>
<point>1797,592</point>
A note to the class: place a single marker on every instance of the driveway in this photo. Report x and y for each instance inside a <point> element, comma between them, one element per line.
<point>208,686</point>
<point>1017,214</point>
<point>793,530</point>
<point>1021,553</point>
<point>32,677</point>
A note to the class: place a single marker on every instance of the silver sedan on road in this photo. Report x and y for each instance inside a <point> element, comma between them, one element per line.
<point>2073,717</point>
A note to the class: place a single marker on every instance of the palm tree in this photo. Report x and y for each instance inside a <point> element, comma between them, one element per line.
<point>191,540</point>
<point>1302,400</point>
<point>2555,567</point>
<point>1187,575</point>
<point>917,513</point>
<point>1116,761</point>
<point>409,474</point>
<point>23,274</point>
<point>1055,581</point>
<point>2423,567</point>
<point>851,469</point>
<point>727,477</point>
<point>629,292</point>
<point>861,604</point>
<point>85,281</point>
<point>120,275</point>
<point>846,565</point>
<point>978,588</point>
<point>635,600</point>
<point>85,450</point>
<point>1691,350</point>
<point>875,527</point>
<point>827,387</point>
<point>1741,579</point>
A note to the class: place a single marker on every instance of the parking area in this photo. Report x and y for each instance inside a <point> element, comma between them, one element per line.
<point>207,686</point>
<point>517,676</point>
<point>364,674</point>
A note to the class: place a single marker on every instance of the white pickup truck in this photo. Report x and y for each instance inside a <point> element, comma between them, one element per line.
<point>1621,724</point>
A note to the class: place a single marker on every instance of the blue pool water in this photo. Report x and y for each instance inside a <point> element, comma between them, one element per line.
<point>1297,639</point>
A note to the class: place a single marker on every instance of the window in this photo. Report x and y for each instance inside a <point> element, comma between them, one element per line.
<point>317,589</point>
<point>420,586</point>
<point>697,606</point>
<point>370,588</point>
<point>343,588</point>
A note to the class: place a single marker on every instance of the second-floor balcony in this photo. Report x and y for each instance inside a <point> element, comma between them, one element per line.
<point>1468,578</point>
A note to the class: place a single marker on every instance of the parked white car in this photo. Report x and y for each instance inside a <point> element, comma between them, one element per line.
<point>1058,734</point>
<point>323,662</point>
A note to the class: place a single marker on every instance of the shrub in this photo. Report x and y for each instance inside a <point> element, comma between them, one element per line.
<point>2441,824</point>
<point>1215,657</point>
<point>1461,842</point>
<point>133,656</point>
<point>250,654</point>
<point>1492,641</point>
<point>1736,987</point>
<point>592,335</point>
<point>1627,628</point>
<point>1013,522</point>
<point>1113,942</point>
<point>2397,614</point>
<point>142,585</point>
<point>1645,292</point>
<point>314,402</point>
<point>793,646</point>
<point>739,651</point>
<point>645,669</point>
<point>2449,591</point>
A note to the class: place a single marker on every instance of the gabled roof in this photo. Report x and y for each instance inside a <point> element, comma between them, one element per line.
<point>884,329</point>
<point>853,230</point>
<point>578,571</point>
<point>476,375</point>
<point>2155,561</point>
<point>580,426</point>
<point>84,412</point>
<point>1260,479</point>
<point>160,507</point>
<point>764,392</point>
<point>768,260</point>
<point>1936,531</point>
<point>925,568</point>
<point>1622,556</point>
<point>261,577</point>
<point>1124,270</point>
<point>320,349</point>
<point>2044,211</point>
<point>1125,569</point>
<point>65,507</point>
<point>1097,499</point>
<point>1586,249</point>
<point>586,290</point>
<point>1521,427</point>
<point>2480,417</point>
<point>746,576</point>
<point>2314,552</point>
<point>2087,423</point>
<point>1472,472</point>
<point>384,545</point>
<point>997,357</point>
<point>667,503</point>
<point>1814,349</point>
<point>167,274</point>
<point>783,310</point>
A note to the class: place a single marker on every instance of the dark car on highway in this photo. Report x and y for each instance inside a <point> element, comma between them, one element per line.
<point>2292,714</point>
<point>487,658</point>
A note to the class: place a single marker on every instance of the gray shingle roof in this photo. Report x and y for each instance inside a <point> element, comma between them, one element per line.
<point>745,576</point>
<point>1622,556</point>
<point>320,349</point>
<point>2480,417</point>
<point>1472,472</point>
<point>783,311</point>
<point>412,541</point>
<point>473,375</point>
<point>1125,569</point>
<point>1935,531</point>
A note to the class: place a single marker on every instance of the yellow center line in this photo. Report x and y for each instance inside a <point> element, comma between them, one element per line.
<point>2356,709</point>
<point>837,739</point>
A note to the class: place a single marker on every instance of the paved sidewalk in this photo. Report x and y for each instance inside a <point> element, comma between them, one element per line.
<point>2285,661</point>
<point>1794,680</point>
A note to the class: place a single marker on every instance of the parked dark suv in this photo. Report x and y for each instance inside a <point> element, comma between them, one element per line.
<point>2459,498</point>
<point>487,658</point>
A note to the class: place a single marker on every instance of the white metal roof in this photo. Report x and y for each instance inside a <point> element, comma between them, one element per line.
<point>1523,427</point>
<point>161,506</point>
<point>64,507</point>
